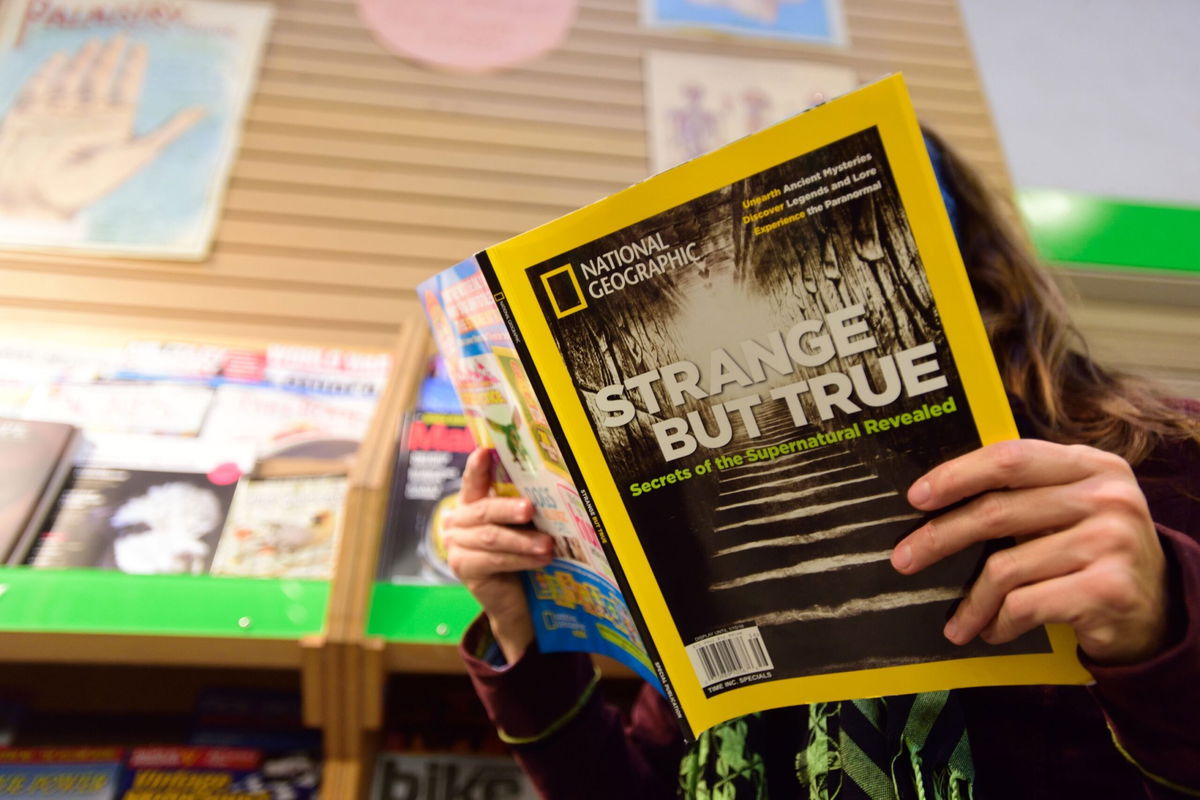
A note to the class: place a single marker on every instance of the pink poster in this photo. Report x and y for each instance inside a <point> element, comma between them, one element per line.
<point>469,35</point>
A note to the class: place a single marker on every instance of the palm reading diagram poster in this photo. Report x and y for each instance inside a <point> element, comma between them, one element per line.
<point>120,121</point>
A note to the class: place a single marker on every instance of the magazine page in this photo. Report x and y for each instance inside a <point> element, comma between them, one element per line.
<point>750,358</point>
<point>575,602</point>
<point>120,121</point>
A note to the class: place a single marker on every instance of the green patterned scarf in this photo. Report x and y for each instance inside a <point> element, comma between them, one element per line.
<point>909,747</point>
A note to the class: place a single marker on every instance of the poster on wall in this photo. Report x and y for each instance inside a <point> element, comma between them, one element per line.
<point>469,36</point>
<point>813,21</point>
<point>697,103</point>
<point>119,121</point>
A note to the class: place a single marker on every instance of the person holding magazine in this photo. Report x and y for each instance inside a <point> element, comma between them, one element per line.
<point>1103,498</point>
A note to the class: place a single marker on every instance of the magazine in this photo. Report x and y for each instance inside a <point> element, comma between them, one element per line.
<point>35,460</point>
<point>169,409</point>
<point>130,114</point>
<point>696,103</point>
<point>81,773</point>
<point>229,773</point>
<point>576,600</point>
<point>445,775</point>
<point>277,420</point>
<point>743,363</point>
<point>146,505</point>
<point>430,458</point>
<point>282,528</point>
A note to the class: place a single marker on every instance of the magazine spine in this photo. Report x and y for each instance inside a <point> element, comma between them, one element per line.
<point>53,489</point>
<point>585,495</point>
<point>391,526</point>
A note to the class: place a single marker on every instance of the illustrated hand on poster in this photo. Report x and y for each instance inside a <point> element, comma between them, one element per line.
<point>68,139</point>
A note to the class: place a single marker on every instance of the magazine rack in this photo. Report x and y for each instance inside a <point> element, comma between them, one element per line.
<point>106,629</point>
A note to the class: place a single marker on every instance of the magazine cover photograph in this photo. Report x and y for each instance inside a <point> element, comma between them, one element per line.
<point>749,379</point>
<point>118,125</point>
<point>764,402</point>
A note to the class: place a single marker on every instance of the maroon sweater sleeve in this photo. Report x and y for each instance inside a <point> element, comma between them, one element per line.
<point>597,753</point>
<point>1153,708</point>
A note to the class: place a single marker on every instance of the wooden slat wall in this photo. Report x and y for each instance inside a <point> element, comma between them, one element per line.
<point>1145,324</point>
<point>361,174</point>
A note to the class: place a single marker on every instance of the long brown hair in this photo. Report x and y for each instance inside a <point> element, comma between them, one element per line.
<point>1043,360</point>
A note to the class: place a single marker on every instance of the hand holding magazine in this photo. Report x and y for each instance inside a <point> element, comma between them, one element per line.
<point>716,389</point>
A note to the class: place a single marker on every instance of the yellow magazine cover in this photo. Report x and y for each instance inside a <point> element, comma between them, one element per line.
<point>746,361</point>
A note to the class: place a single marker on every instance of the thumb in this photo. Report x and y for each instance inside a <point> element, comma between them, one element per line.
<point>155,141</point>
<point>477,476</point>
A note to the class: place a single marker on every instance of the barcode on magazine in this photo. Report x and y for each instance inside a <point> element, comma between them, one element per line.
<point>729,655</point>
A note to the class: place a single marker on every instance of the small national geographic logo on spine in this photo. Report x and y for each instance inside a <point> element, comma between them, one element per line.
<point>564,291</point>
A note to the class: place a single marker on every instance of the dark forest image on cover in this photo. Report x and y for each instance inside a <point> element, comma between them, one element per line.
<point>765,385</point>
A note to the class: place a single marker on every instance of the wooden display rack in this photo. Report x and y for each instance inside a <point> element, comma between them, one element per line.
<point>114,633</point>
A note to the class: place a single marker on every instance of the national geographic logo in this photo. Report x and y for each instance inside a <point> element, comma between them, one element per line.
<point>563,289</point>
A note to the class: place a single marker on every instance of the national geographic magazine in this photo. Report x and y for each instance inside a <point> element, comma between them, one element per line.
<point>740,365</point>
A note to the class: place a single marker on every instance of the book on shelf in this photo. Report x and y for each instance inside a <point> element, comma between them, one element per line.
<point>35,460</point>
<point>716,387</point>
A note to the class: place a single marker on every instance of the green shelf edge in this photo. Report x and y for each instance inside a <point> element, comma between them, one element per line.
<point>1074,228</point>
<point>108,602</point>
<point>420,614</point>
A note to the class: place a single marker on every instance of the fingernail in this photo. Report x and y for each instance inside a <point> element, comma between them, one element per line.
<point>902,556</point>
<point>951,631</point>
<point>920,493</point>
